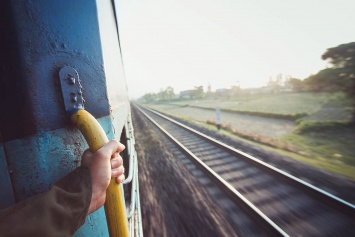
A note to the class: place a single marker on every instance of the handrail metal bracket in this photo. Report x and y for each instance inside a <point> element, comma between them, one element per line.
<point>72,90</point>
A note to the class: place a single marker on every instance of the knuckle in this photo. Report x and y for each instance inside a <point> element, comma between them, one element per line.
<point>101,153</point>
<point>120,161</point>
<point>114,173</point>
<point>115,142</point>
<point>114,163</point>
<point>87,152</point>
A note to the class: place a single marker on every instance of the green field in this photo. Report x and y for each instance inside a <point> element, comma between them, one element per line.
<point>322,137</point>
<point>280,104</point>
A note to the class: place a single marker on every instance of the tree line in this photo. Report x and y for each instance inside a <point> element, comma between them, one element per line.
<point>338,76</point>
<point>166,94</point>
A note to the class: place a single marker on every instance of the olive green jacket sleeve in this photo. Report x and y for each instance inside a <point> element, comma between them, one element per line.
<point>58,212</point>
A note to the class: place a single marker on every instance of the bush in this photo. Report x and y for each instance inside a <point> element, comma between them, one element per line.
<point>308,127</point>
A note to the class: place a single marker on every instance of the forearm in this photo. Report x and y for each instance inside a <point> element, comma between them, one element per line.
<point>58,212</point>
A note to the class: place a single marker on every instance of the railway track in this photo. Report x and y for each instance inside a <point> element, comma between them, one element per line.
<point>279,203</point>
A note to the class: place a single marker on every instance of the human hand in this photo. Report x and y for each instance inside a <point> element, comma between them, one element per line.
<point>104,164</point>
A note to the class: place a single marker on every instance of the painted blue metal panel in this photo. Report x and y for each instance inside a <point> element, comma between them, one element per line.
<point>42,159</point>
<point>40,37</point>
<point>6,194</point>
<point>95,225</point>
<point>39,160</point>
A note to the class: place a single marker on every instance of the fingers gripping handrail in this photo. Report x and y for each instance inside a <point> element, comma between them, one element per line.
<point>114,206</point>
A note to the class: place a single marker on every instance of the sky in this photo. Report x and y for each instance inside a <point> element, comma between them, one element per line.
<point>224,43</point>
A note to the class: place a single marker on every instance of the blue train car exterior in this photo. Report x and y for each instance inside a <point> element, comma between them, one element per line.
<point>38,144</point>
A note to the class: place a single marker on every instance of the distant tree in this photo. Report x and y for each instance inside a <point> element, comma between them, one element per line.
<point>198,92</point>
<point>170,93</point>
<point>342,56</point>
<point>149,97</point>
<point>165,94</point>
<point>325,80</point>
<point>235,90</point>
<point>279,79</point>
<point>162,95</point>
<point>274,84</point>
<point>341,73</point>
<point>297,85</point>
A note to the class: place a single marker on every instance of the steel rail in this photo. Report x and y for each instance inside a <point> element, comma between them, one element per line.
<point>327,197</point>
<point>261,218</point>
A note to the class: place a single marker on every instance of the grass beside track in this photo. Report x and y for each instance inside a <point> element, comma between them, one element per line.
<point>285,104</point>
<point>331,149</point>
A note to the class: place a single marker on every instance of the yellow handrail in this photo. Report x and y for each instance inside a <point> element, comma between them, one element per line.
<point>114,208</point>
